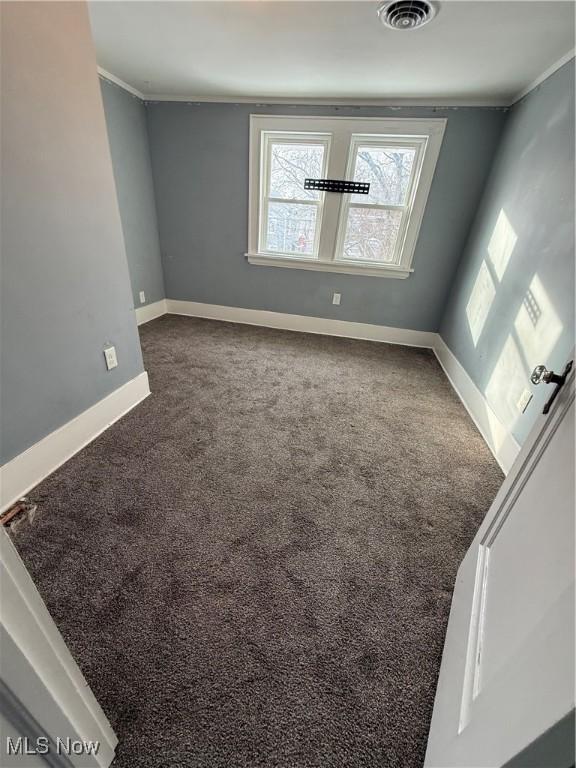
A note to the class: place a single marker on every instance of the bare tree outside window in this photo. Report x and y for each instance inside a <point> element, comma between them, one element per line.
<point>372,232</point>
<point>291,226</point>
<point>387,170</point>
<point>290,165</point>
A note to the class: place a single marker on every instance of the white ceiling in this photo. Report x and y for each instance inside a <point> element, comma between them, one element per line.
<point>472,52</point>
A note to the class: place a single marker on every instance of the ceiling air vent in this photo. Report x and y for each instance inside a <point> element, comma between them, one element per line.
<point>406,14</point>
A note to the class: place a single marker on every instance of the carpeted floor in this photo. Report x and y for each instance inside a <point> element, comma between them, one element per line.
<point>254,567</point>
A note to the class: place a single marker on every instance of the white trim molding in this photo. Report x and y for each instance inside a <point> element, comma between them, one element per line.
<point>42,689</point>
<point>544,76</point>
<point>303,323</point>
<point>121,83</point>
<point>496,435</point>
<point>442,102</point>
<point>340,138</point>
<point>342,267</point>
<point>29,468</point>
<point>150,311</point>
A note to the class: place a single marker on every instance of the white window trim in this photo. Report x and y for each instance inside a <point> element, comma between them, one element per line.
<point>430,133</point>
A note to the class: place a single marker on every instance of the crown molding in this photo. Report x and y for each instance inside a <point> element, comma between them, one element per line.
<point>117,81</point>
<point>440,102</point>
<point>544,76</point>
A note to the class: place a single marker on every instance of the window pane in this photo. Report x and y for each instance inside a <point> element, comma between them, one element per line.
<point>290,165</point>
<point>291,228</point>
<point>387,170</point>
<point>371,234</point>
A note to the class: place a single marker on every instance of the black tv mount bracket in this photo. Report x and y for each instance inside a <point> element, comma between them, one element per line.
<point>337,185</point>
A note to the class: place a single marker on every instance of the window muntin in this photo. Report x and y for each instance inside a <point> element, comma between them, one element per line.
<point>291,215</point>
<point>372,234</point>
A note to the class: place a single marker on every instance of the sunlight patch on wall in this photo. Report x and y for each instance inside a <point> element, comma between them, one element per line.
<point>502,244</point>
<point>537,329</point>
<point>500,248</point>
<point>498,432</point>
<point>508,380</point>
<point>480,302</point>
<point>537,325</point>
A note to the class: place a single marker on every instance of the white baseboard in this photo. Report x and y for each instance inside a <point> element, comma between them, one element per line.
<point>497,436</point>
<point>303,323</point>
<point>150,311</point>
<point>25,471</point>
<point>29,468</point>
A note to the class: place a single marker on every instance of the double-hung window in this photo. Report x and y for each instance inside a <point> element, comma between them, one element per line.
<point>374,233</point>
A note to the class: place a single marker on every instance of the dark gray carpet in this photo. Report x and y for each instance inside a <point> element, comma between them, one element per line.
<point>254,567</point>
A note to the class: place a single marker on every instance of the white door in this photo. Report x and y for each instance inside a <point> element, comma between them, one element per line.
<point>506,683</point>
<point>48,714</point>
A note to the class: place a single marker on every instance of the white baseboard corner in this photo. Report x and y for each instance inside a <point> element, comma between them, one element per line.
<point>150,311</point>
<point>495,433</point>
<point>303,323</point>
<point>29,468</point>
<point>497,436</point>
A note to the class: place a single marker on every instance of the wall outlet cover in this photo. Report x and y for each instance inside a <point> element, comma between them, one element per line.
<point>524,400</point>
<point>111,359</point>
<point>336,298</point>
<point>142,297</point>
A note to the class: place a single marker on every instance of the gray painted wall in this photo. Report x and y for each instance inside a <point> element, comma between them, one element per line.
<point>554,749</point>
<point>200,166</point>
<point>65,285</point>
<point>126,123</point>
<point>529,261</point>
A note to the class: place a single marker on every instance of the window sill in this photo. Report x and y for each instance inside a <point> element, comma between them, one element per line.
<point>342,267</point>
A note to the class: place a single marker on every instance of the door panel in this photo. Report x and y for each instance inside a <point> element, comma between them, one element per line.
<point>533,581</point>
<point>507,674</point>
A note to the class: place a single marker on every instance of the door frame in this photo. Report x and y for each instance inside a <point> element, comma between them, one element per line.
<point>42,688</point>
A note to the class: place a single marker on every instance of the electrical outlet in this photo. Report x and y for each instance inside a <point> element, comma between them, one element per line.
<point>142,297</point>
<point>336,298</point>
<point>111,359</point>
<point>523,400</point>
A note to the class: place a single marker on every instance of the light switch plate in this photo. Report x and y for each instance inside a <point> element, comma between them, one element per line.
<point>524,400</point>
<point>142,297</point>
<point>111,359</point>
<point>336,298</point>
